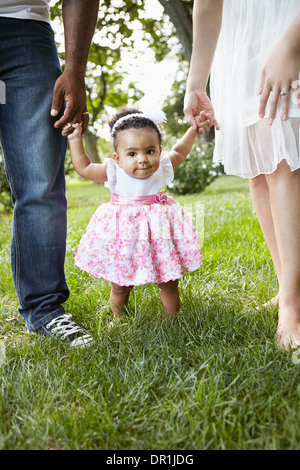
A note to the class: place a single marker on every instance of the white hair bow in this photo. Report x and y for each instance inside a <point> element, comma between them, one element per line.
<point>150,110</point>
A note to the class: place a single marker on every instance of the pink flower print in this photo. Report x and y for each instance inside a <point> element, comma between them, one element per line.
<point>161,198</point>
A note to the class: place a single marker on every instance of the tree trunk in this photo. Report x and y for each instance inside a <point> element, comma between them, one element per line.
<point>183,23</point>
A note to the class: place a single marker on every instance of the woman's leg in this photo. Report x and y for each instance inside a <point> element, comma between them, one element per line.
<point>260,196</point>
<point>284,197</point>
<point>261,200</point>
<point>169,296</point>
<point>119,296</point>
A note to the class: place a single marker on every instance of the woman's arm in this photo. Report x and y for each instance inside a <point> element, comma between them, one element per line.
<point>281,73</point>
<point>207,21</point>
<point>81,162</point>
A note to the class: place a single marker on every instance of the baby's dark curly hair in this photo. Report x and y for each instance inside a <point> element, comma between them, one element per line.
<point>135,122</point>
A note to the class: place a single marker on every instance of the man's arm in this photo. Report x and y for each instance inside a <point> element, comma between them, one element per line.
<point>79,18</point>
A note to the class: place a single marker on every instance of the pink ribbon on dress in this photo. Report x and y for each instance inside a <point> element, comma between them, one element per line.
<point>159,198</point>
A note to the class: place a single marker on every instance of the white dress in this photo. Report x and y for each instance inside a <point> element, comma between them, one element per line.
<point>246,145</point>
<point>132,243</point>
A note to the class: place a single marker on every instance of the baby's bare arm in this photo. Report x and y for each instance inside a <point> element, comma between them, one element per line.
<point>183,147</point>
<point>81,162</point>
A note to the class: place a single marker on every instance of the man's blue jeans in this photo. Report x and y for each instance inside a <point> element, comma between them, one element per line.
<point>34,153</point>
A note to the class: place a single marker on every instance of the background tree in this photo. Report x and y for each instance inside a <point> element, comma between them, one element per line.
<point>117,22</point>
<point>180,13</point>
<point>177,22</point>
<point>105,70</point>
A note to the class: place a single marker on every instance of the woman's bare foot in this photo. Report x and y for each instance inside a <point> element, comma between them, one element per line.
<point>288,331</point>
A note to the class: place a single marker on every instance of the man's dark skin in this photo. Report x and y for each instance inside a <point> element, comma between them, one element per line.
<point>79,18</point>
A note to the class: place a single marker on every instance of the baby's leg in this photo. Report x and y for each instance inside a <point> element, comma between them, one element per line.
<point>119,296</point>
<point>169,296</point>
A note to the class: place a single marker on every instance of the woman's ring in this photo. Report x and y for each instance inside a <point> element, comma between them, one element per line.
<point>284,93</point>
<point>85,112</point>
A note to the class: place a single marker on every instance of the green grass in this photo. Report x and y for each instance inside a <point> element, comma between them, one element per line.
<point>212,378</point>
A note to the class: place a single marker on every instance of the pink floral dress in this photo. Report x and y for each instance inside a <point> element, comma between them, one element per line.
<point>141,235</point>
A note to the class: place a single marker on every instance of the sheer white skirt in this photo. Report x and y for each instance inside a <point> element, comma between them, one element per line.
<point>246,145</point>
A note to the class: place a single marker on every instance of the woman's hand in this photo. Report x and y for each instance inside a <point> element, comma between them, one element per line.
<point>280,74</point>
<point>197,104</point>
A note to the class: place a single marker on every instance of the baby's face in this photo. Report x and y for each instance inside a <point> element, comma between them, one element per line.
<point>138,152</point>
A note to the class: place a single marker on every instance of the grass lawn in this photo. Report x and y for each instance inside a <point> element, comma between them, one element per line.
<point>211,378</point>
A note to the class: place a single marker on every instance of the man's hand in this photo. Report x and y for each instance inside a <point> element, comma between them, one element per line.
<point>71,90</point>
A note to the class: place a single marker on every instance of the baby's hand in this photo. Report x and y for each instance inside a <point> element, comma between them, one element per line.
<point>77,133</point>
<point>202,121</point>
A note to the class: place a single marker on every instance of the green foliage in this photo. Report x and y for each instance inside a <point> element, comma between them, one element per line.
<point>105,70</point>
<point>105,73</point>
<point>197,171</point>
<point>158,35</point>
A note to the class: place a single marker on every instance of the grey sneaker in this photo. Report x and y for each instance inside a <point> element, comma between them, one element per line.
<point>66,330</point>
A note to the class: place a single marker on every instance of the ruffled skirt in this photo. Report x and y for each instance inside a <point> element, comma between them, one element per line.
<point>138,244</point>
<point>258,148</point>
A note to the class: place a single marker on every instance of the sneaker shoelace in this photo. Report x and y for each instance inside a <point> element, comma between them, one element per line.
<point>66,328</point>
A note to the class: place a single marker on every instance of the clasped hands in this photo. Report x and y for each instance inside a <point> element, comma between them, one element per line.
<point>69,97</point>
<point>198,108</point>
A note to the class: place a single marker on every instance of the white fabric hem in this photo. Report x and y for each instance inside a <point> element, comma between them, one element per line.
<point>245,176</point>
